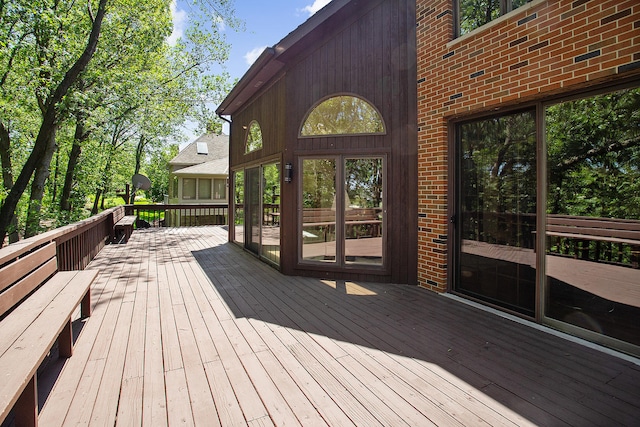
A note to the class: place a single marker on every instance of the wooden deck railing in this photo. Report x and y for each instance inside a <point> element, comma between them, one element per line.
<point>76,244</point>
<point>179,215</point>
<point>603,240</point>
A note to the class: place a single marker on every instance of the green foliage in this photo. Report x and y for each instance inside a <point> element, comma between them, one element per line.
<point>271,175</point>
<point>254,137</point>
<point>157,170</point>
<point>343,115</point>
<point>499,164</point>
<point>594,156</point>
<point>363,182</point>
<point>475,13</point>
<point>132,97</point>
<point>318,183</point>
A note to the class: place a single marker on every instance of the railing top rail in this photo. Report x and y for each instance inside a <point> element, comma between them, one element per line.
<point>180,206</point>
<point>62,233</point>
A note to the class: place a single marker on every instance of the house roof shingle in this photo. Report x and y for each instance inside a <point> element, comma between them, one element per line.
<point>214,167</point>
<point>218,148</point>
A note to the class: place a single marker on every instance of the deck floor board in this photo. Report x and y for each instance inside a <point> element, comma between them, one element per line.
<point>188,329</point>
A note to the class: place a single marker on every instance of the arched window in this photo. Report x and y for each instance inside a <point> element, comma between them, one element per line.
<point>254,138</point>
<point>343,115</point>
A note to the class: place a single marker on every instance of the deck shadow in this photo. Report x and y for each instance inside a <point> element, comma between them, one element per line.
<point>518,366</point>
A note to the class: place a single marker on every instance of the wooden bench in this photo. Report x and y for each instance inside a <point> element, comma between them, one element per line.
<point>359,222</point>
<point>565,231</point>
<point>36,307</point>
<point>124,228</point>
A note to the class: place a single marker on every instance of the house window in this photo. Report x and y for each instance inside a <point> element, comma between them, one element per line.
<point>342,212</point>
<point>475,13</point>
<point>188,188</point>
<point>174,187</point>
<point>204,189</point>
<point>254,138</point>
<point>343,115</point>
<point>220,189</point>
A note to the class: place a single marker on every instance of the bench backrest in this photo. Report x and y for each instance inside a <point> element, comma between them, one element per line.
<point>311,215</point>
<point>603,227</point>
<point>23,274</point>
<point>361,214</point>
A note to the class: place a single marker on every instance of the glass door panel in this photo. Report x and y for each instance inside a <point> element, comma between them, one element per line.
<point>593,214</point>
<point>270,248</point>
<point>319,210</point>
<point>252,209</point>
<point>497,211</point>
<point>238,207</point>
<point>363,225</point>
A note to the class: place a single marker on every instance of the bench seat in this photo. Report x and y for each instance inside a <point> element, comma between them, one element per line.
<point>32,321</point>
<point>124,228</point>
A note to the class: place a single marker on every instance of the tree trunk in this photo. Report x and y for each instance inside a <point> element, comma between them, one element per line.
<point>7,178</point>
<point>54,181</point>
<point>47,127</point>
<point>80,136</point>
<point>103,188</point>
<point>142,143</point>
<point>42,173</point>
<point>74,157</point>
<point>94,209</point>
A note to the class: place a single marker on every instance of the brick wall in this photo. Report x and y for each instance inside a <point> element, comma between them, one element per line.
<point>543,48</point>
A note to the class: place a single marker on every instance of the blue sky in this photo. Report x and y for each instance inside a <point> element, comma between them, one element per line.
<point>266,21</point>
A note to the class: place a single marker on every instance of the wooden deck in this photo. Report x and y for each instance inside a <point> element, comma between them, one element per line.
<point>188,329</point>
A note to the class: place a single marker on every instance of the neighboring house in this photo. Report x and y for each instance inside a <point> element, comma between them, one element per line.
<point>199,173</point>
<point>199,176</point>
<point>462,139</point>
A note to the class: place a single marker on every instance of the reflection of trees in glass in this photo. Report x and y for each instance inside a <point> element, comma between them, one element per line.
<point>271,183</point>
<point>475,13</point>
<point>342,115</point>
<point>594,156</point>
<point>318,185</point>
<point>363,182</point>
<point>498,164</point>
<point>254,137</point>
<point>239,197</point>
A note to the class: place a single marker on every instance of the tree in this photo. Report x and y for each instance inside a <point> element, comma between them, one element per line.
<point>157,170</point>
<point>51,114</point>
<point>594,156</point>
<point>72,80</point>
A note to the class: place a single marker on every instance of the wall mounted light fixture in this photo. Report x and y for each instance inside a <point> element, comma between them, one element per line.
<point>288,172</point>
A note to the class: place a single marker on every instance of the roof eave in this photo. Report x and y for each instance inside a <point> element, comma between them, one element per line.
<point>267,65</point>
<point>262,70</point>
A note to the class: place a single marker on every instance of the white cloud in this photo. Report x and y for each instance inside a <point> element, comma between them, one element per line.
<point>222,26</point>
<point>180,19</point>
<point>316,6</point>
<point>251,56</point>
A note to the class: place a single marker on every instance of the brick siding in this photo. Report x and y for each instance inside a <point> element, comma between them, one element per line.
<point>543,48</point>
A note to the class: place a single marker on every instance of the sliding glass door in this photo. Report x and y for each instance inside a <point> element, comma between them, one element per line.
<point>547,224</point>
<point>257,210</point>
<point>593,214</point>
<point>497,211</point>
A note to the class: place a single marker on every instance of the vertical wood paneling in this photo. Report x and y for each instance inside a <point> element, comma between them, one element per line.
<point>364,49</point>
